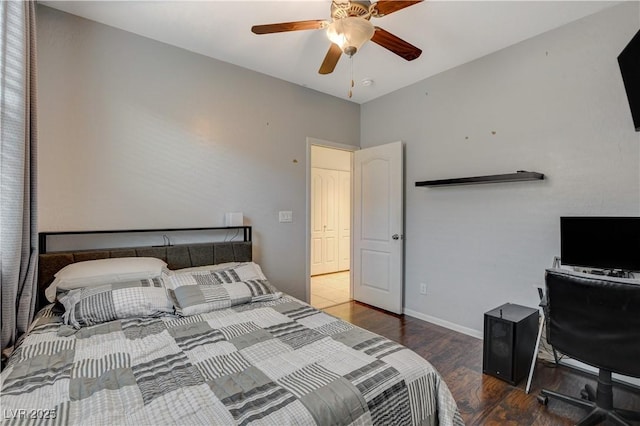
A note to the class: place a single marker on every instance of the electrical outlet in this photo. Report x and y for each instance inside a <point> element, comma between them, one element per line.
<point>423,288</point>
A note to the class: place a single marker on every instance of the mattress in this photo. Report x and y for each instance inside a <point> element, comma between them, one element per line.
<point>275,362</point>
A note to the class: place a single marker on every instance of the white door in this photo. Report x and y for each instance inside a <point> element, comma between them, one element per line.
<point>378,226</point>
<point>324,221</point>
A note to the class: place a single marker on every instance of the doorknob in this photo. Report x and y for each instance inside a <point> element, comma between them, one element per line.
<point>395,236</point>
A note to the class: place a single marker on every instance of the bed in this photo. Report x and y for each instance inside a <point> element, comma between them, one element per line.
<point>249,356</point>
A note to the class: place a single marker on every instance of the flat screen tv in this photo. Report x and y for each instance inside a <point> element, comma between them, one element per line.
<point>629,62</point>
<point>600,242</point>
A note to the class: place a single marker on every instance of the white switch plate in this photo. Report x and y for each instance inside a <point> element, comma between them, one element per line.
<point>285,216</point>
<point>233,219</point>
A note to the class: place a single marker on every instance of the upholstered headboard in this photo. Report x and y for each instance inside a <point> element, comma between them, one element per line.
<point>176,257</point>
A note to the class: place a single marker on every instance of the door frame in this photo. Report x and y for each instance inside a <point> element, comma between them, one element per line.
<point>334,145</point>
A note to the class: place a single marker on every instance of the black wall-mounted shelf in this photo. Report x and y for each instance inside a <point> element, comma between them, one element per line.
<point>519,176</point>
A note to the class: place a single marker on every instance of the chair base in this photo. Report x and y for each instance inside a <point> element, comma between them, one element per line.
<point>599,402</point>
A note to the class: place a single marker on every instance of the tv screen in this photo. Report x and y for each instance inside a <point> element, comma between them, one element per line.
<point>629,62</point>
<point>600,242</point>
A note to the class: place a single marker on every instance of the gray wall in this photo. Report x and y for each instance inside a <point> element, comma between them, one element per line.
<point>134,133</point>
<point>138,134</point>
<point>557,105</point>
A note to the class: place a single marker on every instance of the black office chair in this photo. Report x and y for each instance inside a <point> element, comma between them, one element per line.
<point>596,320</point>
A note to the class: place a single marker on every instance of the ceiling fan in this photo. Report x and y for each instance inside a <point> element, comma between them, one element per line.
<point>350,28</point>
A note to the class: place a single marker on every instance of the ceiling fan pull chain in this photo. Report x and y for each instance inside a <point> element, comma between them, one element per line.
<point>351,85</point>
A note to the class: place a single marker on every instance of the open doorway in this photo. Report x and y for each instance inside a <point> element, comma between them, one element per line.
<point>330,225</point>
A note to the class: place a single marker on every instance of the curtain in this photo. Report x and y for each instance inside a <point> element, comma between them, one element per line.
<point>18,137</point>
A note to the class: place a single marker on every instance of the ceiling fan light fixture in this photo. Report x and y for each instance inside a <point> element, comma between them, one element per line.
<point>350,33</point>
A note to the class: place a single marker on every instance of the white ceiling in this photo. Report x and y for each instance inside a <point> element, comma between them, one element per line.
<point>449,33</point>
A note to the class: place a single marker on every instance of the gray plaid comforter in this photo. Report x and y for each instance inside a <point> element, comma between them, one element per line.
<point>279,362</point>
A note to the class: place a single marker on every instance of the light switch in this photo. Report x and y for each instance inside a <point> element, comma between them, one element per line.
<point>285,216</point>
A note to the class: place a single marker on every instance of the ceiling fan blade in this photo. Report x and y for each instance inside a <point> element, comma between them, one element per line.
<point>385,7</point>
<point>289,26</point>
<point>331,60</point>
<point>395,44</point>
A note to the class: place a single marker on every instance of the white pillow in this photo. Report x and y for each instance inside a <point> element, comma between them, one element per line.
<point>103,271</point>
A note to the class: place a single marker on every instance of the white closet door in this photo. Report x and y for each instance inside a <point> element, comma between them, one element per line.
<point>317,226</point>
<point>324,221</point>
<point>331,242</point>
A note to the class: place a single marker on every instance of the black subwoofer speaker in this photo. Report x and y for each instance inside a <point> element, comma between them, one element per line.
<point>510,333</point>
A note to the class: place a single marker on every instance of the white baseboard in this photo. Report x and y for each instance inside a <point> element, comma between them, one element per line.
<point>446,324</point>
<point>632,381</point>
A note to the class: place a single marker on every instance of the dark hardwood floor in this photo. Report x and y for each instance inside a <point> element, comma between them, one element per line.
<point>482,399</point>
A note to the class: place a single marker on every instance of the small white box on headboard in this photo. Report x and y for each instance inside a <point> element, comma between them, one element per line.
<point>233,219</point>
